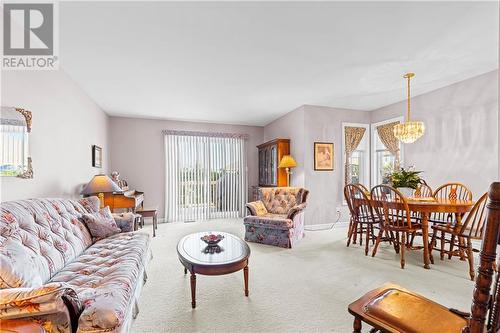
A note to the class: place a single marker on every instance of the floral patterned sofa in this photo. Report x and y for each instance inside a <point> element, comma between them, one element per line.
<point>278,217</point>
<point>54,277</point>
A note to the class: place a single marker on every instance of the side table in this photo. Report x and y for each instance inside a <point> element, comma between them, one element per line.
<point>149,212</point>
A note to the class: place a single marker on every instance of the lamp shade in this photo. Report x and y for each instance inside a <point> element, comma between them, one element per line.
<point>101,184</point>
<point>287,161</point>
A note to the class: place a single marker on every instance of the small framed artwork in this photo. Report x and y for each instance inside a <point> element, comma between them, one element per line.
<point>323,156</point>
<point>96,156</point>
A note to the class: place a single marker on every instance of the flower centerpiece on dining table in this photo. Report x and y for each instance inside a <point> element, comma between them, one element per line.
<point>405,180</point>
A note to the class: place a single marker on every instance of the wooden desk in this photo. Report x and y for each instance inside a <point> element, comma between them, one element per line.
<point>425,208</point>
<point>149,212</point>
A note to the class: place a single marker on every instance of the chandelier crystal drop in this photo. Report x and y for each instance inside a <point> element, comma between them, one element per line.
<point>409,131</point>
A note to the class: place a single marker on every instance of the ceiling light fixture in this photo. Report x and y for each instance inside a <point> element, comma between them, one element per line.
<point>409,131</point>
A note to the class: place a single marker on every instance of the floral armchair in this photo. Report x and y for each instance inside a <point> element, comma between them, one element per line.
<point>278,217</point>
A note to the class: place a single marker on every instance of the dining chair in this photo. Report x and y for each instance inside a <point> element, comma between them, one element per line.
<point>362,220</point>
<point>451,191</point>
<point>471,229</point>
<point>364,188</point>
<point>394,309</point>
<point>423,191</point>
<point>392,210</point>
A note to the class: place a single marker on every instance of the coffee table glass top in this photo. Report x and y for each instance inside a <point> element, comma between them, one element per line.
<point>232,249</point>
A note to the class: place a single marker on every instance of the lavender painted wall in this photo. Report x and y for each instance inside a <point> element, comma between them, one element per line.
<point>304,126</point>
<point>66,123</point>
<point>138,152</point>
<point>461,139</point>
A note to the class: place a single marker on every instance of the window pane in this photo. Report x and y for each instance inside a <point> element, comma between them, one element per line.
<point>356,165</point>
<point>384,166</point>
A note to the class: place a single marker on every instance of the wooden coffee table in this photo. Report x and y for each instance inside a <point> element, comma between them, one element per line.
<point>233,256</point>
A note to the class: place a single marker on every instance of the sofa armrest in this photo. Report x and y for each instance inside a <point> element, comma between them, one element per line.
<point>256,208</point>
<point>125,221</point>
<point>295,210</point>
<point>53,304</point>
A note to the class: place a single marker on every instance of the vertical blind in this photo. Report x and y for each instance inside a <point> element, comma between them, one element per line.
<point>14,143</point>
<point>206,176</point>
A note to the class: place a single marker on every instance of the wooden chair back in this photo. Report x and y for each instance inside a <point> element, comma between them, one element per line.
<point>485,306</point>
<point>364,188</point>
<point>358,203</point>
<point>423,191</point>
<point>391,207</point>
<point>473,224</point>
<point>453,191</point>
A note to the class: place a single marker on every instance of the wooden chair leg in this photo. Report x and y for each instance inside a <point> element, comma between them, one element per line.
<point>452,244</point>
<point>470,258</point>
<point>367,238</point>
<point>402,249</point>
<point>373,235</point>
<point>441,250</point>
<point>349,232</point>
<point>390,234</point>
<point>412,238</point>
<point>432,244</point>
<point>360,234</point>
<point>377,242</point>
<point>356,325</point>
<point>355,233</point>
<point>397,246</point>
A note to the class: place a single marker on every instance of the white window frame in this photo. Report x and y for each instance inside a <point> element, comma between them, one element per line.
<point>373,154</point>
<point>366,168</point>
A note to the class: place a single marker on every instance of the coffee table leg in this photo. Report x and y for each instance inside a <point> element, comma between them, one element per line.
<point>193,290</point>
<point>245,275</point>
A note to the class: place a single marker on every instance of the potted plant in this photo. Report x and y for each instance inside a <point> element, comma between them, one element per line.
<point>406,181</point>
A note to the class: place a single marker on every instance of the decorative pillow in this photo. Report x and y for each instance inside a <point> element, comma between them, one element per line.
<point>101,224</point>
<point>125,221</point>
<point>18,267</point>
<point>91,204</point>
<point>258,208</point>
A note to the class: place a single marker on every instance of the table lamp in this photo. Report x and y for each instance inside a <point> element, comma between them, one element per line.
<point>100,184</point>
<point>287,162</point>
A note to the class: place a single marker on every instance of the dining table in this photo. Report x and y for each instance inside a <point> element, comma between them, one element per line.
<point>425,206</point>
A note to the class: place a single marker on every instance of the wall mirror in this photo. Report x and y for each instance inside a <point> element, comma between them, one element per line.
<point>15,128</point>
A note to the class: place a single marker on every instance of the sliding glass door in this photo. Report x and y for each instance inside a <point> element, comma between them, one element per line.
<point>205,176</point>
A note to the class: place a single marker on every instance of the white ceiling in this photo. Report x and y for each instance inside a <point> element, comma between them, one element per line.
<point>249,63</point>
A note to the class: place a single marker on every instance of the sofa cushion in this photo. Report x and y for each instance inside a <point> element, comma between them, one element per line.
<point>104,277</point>
<point>101,224</point>
<point>49,231</point>
<point>91,204</point>
<point>125,221</point>
<point>272,221</point>
<point>18,266</point>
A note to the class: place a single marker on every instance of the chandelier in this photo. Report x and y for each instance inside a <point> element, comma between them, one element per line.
<point>409,131</point>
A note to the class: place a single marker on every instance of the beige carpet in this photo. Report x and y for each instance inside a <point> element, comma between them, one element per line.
<point>305,289</point>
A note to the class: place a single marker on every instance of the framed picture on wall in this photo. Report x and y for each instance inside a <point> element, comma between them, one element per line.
<point>323,156</point>
<point>96,156</point>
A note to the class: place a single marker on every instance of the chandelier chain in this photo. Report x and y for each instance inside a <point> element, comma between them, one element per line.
<point>408,114</point>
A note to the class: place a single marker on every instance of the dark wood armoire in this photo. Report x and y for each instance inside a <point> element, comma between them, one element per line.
<point>270,154</point>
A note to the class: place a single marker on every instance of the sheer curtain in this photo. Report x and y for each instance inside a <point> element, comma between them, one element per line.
<point>206,175</point>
